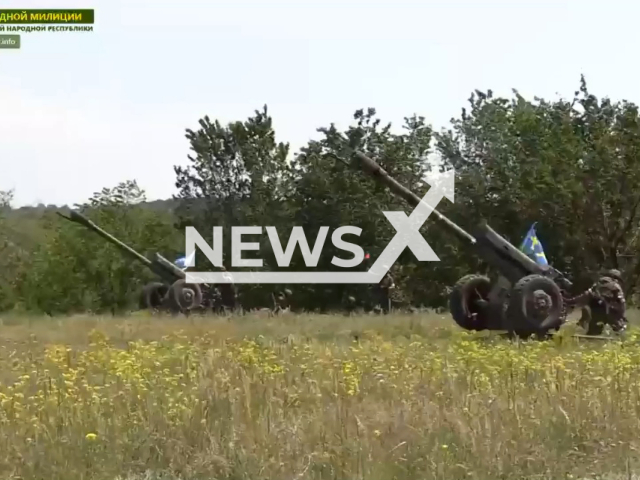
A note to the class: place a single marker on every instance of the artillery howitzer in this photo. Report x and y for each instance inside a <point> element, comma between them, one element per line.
<point>172,293</point>
<point>521,296</point>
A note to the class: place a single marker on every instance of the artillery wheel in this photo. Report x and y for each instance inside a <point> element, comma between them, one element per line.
<point>535,307</point>
<point>464,302</point>
<point>184,297</point>
<point>152,296</point>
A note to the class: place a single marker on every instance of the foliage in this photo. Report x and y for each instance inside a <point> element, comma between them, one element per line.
<point>12,252</point>
<point>75,270</point>
<point>6,197</point>
<point>570,165</point>
<point>327,193</point>
<point>238,176</point>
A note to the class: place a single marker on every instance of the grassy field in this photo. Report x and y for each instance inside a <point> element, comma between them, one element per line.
<point>311,397</point>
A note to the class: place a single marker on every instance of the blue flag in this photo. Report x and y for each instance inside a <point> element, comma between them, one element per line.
<point>532,247</point>
<point>182,261</point>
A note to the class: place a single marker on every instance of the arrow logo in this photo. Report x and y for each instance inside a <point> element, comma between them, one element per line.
<point>408,228</point>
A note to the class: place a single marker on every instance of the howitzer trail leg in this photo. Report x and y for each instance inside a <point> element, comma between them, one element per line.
<point>590,323</point>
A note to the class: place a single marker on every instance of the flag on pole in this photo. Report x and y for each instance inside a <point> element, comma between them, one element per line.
<point>183,261</point>
<point>532,247</point>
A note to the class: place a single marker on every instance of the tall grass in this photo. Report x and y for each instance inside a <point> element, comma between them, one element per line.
<point>310,397</point>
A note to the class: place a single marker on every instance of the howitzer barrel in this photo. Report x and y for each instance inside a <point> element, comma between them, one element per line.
<point>85,222</point>
<point>160,265</point>
<point>524,297</point>
<point>169,267</point>
<point>493,248</point>
<point>379,173</point>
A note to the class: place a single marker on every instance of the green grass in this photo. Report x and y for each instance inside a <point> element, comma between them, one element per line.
<point>311,397</point>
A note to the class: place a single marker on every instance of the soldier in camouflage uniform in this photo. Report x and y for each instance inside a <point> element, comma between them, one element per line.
<point>228,293</point>
<point>383,292</point>
<point>603,304</point>
<point>215,300</point>
<point>350,305</point>
<point>282,301</point>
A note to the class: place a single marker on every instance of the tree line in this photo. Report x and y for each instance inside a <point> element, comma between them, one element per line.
<point>572,165</point>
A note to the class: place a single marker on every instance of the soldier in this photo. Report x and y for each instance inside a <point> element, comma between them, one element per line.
<point>384,292</point>
<point>602,304</point>
<point>215,300</point>
<point>282,301</point>
<point>350,305</point>
<point>228,292</point>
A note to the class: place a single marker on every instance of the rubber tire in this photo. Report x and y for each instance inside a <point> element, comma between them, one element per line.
<point>522,325</point>
<point>153,295</point>
<point>175,296</point>
<point>461,298</point>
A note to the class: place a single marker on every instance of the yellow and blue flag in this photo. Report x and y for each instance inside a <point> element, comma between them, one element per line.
<point>532,247</point>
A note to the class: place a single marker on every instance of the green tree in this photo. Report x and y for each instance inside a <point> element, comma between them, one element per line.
<point>237,176</point>
<point>570,165</point>
<point>6,197</point>
<point>75,270</point>
<point>329,193</point>
<point>8,254</point>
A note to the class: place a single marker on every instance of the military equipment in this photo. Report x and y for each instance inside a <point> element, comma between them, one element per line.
<point>521,296</point>
<point>172,293</point>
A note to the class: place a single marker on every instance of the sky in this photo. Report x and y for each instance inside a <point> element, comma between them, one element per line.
<point>80,111</point>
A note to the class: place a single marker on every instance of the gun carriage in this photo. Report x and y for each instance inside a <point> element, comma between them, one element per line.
<point>171,293</point>
<point>520,296</point>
